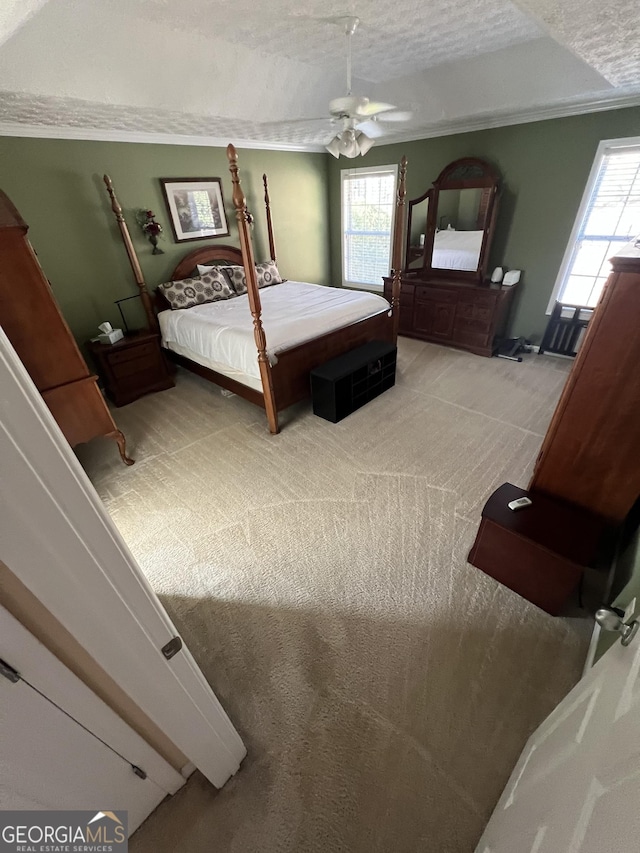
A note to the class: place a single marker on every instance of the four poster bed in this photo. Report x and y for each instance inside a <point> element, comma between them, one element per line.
<point>294,326</point>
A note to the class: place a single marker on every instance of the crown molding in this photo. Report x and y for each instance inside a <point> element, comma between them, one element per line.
<point>49,131</point>
<point>466,125</point>
<point>505,119</point>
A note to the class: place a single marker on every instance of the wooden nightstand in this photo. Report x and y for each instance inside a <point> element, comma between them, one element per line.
<point>132,367</point>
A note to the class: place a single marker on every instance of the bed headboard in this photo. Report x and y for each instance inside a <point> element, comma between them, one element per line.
<point>208,255</point>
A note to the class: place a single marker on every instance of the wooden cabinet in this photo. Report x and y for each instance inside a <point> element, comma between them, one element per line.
<point>541,551</point>
<point>466,315</point>
<point>39,334</point>
<point>132,367</point>
<point>591,453</point>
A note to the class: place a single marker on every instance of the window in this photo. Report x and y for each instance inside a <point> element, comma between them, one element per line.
<point>609,217</point>
<point>368,208</point>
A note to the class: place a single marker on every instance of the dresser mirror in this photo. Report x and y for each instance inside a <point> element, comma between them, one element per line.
<point>417,230</point>
<point>456,216</point>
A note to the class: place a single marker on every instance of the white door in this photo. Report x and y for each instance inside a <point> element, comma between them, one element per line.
<point>57,538</point>
<point>61,747</point>
<point>576,787</point>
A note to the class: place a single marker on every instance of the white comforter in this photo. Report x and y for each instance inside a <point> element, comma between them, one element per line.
<point>292,312</point>
<point>457,250</point>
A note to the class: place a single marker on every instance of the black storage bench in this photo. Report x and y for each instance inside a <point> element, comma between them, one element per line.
<point>347,382</point>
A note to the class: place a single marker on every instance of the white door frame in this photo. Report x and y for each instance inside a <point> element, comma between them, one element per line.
<point>59,540</point>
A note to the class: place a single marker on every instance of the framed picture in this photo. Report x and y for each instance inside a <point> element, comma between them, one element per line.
<point>196,208</point>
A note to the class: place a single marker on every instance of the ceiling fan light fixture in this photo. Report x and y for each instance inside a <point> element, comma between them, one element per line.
<point>350,143</point>
<point>365,142</point>
<point>334,146</point>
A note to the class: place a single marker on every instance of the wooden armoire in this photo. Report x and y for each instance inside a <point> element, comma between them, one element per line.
<point>39,334</point>
<point>590,456</point>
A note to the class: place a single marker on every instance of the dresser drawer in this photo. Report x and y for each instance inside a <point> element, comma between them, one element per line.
<point>407,292</point>
<point>435,294</point>
<point>476,309</point>
<point>144,377</point>
<point>483,300</point>
<point>139,364</point>
<point>465,325</point>
<point>132,353</point>
<point>465,310</point>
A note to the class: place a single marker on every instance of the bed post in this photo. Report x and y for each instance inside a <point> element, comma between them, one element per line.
<point>243,217</point>
<point>397,260</point>
<point>272,242</point>
<point>145,298</point>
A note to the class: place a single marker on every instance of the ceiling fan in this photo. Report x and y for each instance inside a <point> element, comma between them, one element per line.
<point>362,120</point>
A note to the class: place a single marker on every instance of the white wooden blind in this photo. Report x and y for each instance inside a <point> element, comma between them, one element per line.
<point>368,205</point>
<point>611,219</point>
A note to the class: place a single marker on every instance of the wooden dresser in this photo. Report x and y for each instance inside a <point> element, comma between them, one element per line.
<point>38,332</point>
<point>461,314</point>
<point>591,453</point>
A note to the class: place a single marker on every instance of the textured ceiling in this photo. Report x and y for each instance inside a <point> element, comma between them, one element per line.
<point>394,38</point>
<point>15,13</point>
<point>263,71</point>
<point>606,35</point>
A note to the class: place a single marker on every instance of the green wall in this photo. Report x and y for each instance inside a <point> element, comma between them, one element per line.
<point>57,187</point>
<point>544,167</point>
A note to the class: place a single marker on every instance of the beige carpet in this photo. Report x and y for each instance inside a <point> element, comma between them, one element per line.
<point>383,686</point>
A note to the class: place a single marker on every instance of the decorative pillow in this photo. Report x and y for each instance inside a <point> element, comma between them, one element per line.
<point>210,287</point>
<point>266,273</point>
<point>237,278</point>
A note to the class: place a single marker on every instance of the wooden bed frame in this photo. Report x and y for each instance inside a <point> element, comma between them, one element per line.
<point>287,381</point>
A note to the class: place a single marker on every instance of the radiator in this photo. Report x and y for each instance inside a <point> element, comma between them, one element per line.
<point>566,329</point>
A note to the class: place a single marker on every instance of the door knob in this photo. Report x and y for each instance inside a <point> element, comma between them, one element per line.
<point>610,620</point>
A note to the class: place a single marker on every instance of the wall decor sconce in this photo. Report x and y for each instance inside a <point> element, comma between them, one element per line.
<point>146,219</point>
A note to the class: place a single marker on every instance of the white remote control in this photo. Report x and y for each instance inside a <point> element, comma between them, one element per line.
<point>520,503</point>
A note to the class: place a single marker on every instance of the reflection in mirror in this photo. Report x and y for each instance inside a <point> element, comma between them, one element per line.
<point>460,223</point>
<point>416,236</point>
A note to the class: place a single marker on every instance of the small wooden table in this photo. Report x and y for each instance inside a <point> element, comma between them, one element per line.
<point>132,367</point>
<point>541,551</point>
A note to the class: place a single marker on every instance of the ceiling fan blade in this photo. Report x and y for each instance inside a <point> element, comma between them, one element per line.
<point>396,115</point>
<point>371,129</point>
<point>326,119</point>
<point>372,108</point>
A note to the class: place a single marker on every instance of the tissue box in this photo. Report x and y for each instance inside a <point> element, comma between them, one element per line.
<point>111,337</point>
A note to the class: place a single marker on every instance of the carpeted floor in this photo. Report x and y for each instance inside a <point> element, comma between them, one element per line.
<point>383,686</point>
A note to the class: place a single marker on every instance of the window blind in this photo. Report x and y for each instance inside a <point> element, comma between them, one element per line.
<point>611,219</point>
<point>368,205</point>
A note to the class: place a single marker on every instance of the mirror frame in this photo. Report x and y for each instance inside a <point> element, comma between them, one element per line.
<point>414,202</point>
<point>465,173</point>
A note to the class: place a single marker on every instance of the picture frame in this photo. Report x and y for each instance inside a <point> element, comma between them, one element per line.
<point>196,208</point>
